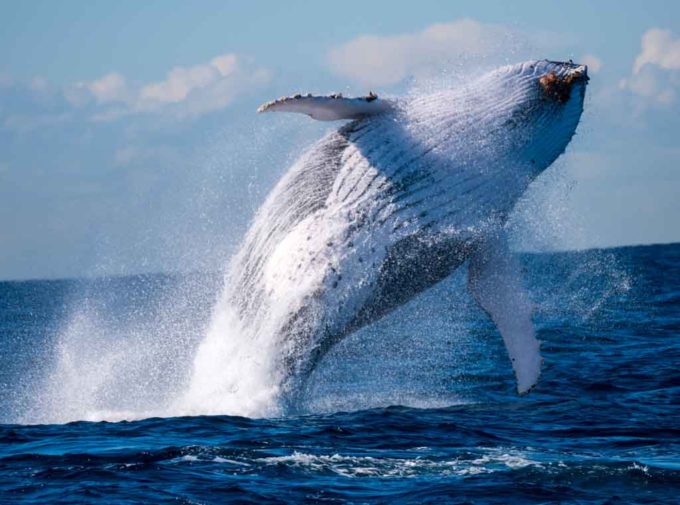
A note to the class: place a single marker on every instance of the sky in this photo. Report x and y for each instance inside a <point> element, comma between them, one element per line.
<point>129,140</point>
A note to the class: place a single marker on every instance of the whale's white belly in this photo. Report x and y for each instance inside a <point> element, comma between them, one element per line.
<point>396,219</point>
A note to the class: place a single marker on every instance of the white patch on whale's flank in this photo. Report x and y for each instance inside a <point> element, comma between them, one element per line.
<point>375,213</point>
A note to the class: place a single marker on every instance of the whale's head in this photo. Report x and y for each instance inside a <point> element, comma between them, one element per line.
<point>538,105</point>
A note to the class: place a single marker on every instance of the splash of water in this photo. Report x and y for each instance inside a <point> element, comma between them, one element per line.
<point>233,370</point>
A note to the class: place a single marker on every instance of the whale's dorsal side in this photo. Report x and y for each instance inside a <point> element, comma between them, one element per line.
<point>329,108</point>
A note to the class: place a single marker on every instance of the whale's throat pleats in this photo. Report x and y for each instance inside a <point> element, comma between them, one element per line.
<point>301,192</point>
<point>368,218</point>
<point>411,265</point>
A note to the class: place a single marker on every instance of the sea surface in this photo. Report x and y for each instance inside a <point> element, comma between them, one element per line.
<point>419,408</point>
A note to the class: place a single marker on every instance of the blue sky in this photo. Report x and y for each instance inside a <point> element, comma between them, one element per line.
<point>128,139</point>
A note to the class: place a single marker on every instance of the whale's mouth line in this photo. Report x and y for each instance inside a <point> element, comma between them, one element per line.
<point>558,87</point>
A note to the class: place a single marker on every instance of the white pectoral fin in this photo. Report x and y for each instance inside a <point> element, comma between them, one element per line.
<point>329,108</point>
<point>495,282</point>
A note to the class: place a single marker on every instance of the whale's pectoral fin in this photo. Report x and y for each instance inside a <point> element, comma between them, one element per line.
<point>495,283</point>
<point>329,108</point>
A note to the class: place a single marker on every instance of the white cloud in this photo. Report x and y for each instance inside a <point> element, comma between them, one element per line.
<point>655,77</point>
<point>660,48</point>
<point>110,88</point>
<point>182,80</point>
<point>186,90</point>
<point>383,60</point>
<point>202,88</point>
<point>594,63</point>
<point>653,85</point>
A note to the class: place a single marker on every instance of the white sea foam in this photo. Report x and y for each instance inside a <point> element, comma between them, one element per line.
<point>232,372</point>
<point>496,460</point>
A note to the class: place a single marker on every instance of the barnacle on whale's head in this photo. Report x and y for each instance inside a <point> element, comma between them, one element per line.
<point>558,87</point>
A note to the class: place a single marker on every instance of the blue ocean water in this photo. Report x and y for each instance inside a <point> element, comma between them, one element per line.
<point>419,408</point>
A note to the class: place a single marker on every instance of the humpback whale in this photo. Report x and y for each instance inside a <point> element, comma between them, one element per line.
<point>393,201</point>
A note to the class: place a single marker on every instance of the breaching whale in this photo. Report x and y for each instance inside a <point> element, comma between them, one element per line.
<point>395,200</point>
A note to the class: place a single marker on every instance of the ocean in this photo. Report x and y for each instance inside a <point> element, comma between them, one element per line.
<point>421,407</point>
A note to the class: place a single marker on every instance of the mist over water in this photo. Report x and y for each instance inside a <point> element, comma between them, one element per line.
<point>149,346</point>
